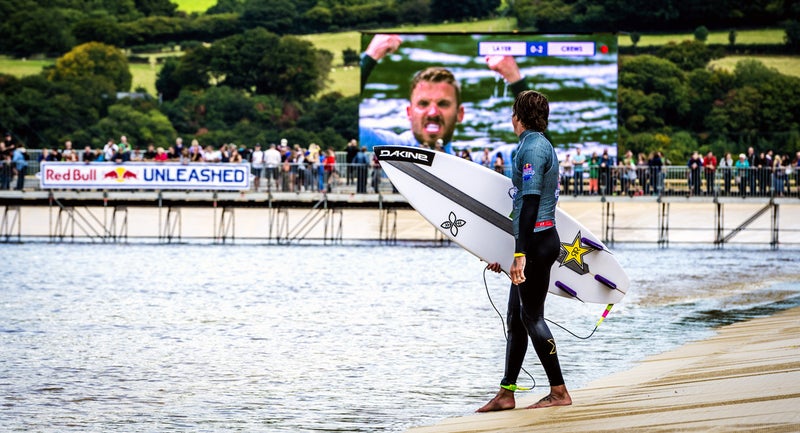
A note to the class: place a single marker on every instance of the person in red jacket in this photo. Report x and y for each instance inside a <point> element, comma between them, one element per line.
<point>710,167</point>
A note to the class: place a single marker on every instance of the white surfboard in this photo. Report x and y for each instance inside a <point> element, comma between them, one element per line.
<point>471,205</point>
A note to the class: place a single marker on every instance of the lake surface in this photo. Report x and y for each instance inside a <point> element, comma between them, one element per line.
<point>358,338</point>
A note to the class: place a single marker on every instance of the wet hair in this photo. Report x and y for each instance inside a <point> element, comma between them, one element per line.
<point>532,110</point>
<point>436,74</point>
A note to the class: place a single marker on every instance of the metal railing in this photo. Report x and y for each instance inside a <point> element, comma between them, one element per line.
<point>683,181</point>
<point>615,181</point>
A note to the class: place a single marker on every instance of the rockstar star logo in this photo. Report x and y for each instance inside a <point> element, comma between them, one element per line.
<point>572,254</point>
<point>452,224</point>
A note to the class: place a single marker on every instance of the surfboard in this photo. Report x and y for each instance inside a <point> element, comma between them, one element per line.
<point>471,205</point>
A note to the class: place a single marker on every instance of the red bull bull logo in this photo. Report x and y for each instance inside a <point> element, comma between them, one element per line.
<point>120,174</point>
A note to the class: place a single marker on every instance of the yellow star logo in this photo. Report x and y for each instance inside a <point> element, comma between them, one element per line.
<point>574,252</point>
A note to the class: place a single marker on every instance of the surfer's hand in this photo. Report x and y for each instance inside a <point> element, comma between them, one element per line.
<point>494,267</point>
<point>517,273</point>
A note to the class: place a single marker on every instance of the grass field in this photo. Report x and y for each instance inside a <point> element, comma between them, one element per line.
<point>762,36</point>
<point>784,64</point>
<point>21,68</point>
<point>194,5</point>
<point>144,75</point>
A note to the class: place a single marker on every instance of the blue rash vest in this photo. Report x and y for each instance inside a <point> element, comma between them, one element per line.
<point>535,171</point>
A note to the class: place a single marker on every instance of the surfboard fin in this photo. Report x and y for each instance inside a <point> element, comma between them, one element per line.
<point>568,289</point>
<point>608,283</point>
<point>592,243</point>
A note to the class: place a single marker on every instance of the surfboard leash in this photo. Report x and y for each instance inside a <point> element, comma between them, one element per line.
<point>597,325</point>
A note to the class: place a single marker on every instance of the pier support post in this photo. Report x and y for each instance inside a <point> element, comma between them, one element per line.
<point>226,228</point>
<point>120,215</point>
<point>388,226</point>
<point>12,221</point>
<point>775,225</point>
<point>608,221</point>
<point>173,226</point>
<point>278,225</point>
<point>65,223</point>
<point>333,225</point>
<point>663,224</point>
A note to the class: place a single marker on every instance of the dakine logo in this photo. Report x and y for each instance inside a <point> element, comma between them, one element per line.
<point>407,154</point>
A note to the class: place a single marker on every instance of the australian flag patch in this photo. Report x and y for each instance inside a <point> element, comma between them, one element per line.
<point>527,172</point>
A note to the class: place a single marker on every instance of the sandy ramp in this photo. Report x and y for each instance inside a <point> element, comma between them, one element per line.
<point>745,378</point>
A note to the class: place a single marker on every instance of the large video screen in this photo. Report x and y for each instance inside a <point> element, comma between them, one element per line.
<point>578,73</point>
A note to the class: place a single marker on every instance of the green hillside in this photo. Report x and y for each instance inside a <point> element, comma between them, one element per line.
<point>761,36</point>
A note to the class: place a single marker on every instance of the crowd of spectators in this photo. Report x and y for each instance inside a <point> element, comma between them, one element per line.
<point>752,174</point>
<point>295,168</point>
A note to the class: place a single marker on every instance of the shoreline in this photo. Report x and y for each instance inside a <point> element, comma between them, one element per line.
<point>744,378</point>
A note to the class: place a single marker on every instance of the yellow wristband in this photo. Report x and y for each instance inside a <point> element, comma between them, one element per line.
<point>519,254</point>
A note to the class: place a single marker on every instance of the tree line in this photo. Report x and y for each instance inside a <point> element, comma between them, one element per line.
<point>674,103</point>
<point>260,84</point>
<point>246,88</point>
<point>53,27</point>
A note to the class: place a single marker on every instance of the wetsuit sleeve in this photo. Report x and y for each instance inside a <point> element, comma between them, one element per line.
<point>367,65</point>
<point>527,220</point>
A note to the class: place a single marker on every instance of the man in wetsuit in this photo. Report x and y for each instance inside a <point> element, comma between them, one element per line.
<point>535,178</point>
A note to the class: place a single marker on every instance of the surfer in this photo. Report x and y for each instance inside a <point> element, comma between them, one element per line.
<point>435,106</point>
<point>535,178</point>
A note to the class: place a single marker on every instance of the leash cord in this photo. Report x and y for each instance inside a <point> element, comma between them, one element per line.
<point>505,332</point>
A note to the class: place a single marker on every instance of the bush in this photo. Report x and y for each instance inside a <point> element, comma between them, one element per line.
<point>701,34</point>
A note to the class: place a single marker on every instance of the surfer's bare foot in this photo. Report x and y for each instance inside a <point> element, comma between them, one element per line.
<point>504,400</point>
<point>558,397</point>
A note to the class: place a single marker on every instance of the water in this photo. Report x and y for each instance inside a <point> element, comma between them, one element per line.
<point>154,338</point>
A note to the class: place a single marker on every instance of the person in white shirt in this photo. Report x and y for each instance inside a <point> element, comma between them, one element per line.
<point>566,173</point>
<point>212,155</point>
<point>109,150</point>
<point>257,164</point>
<point>578,162</point>
<point>272,159</point>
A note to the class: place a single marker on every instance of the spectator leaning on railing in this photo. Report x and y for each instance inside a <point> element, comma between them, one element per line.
<point>710,167</point>
<point>20,160</point>
<point>726,168</point>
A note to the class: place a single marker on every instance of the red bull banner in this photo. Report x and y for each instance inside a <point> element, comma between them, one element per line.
<point>106,175</point>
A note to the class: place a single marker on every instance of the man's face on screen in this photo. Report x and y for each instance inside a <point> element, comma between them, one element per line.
<point>434,112</point>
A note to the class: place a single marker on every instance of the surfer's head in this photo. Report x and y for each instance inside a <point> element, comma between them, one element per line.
<point>531,110</point>
<point>435,105</point>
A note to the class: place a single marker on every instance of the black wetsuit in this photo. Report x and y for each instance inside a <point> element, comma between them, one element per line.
<point>526,312</point>
<point>536,180</point>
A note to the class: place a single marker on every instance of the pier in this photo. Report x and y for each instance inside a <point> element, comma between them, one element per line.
<point>345,217</point>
